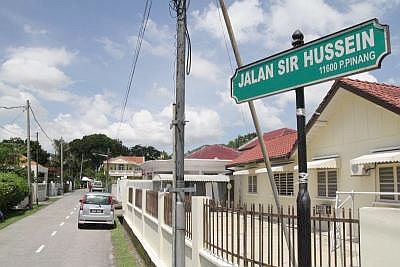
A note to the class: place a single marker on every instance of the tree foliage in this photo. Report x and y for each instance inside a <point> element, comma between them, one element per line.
<point>241,140</point>
<point>13,189</point>
<point>148,152</point>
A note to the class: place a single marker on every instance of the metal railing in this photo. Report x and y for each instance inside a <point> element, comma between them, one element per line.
<point>188,213</point>
<point>254,236</point>
<point>152,203</point>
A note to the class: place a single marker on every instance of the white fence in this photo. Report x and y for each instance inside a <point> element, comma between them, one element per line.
<point>156,236</point>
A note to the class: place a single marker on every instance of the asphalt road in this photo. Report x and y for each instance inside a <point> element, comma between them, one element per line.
<point>51,237</point>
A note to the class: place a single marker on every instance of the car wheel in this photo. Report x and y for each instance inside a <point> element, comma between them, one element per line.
<point>80,225</point>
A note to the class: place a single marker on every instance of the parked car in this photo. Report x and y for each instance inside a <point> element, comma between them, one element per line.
<point>96,208</point>
<point>97,186</point>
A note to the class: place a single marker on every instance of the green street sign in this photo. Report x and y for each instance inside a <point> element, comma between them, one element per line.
<point>349,51</point>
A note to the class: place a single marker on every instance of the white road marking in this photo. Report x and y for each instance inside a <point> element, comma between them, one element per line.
<point>40,249</point>
<point>75,208</point>
<point>67,217</point>
<point>61,224</point>
<point>53,233</point>
<point>71,212</point>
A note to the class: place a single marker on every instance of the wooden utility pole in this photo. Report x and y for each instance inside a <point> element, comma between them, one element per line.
<point>28,153</point>
<point>37,167</point>
<point>179,135</point>
<point>62,164</point>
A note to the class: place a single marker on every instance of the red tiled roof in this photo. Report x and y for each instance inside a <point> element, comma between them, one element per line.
<point>267,136</point>
<point>279,145</point>
<point>382,94</point>
<point>214,152</point>
<point>130,159</point>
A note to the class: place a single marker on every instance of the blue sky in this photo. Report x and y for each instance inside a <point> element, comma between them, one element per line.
<point>72,60</point>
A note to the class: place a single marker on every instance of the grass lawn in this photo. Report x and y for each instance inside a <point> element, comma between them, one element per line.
<point>20,214</point>
<point>122,248</point>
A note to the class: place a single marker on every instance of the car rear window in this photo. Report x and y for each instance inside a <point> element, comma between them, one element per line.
<point>97,200</point>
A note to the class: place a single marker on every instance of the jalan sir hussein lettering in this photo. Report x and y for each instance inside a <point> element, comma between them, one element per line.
<point>352,51</point>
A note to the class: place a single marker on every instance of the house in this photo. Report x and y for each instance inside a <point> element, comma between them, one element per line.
<point>204,168</point>
<point>353,144</point>
<point>43,172</point>
<point>249,167</point>
<point>124,166</point>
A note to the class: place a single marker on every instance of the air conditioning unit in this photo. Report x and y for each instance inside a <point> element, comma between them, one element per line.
<point>323,210</point>
<point>358,170</point>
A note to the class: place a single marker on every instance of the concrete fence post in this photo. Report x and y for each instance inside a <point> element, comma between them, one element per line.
<point>161,196</point>
<point>144,191</point>
<point>197,232</point>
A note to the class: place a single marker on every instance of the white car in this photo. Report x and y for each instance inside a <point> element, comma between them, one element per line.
<point>96,208</point>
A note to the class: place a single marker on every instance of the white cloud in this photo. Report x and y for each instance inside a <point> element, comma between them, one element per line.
<point>37,69</point>
<point>158,40</point>
<point>11,130</point>
<point>246,17</point>
<point>32,30</point>
<point>204,69</point>
<point>272,25</point>
<point>115,50</point>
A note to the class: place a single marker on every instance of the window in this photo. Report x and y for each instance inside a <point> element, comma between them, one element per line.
<point>252,184</point>
<point>121,167</point>
<point>389,181</point>
<point>327,183</point>
<point>284,183</point>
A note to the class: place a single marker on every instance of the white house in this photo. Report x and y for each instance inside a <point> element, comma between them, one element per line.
<point>353,144</point>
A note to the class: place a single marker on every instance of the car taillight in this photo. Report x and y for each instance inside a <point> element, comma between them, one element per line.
<point>110,201</point>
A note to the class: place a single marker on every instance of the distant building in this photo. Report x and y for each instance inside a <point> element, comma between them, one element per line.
<point>204,168</point>
<point>124,166</point>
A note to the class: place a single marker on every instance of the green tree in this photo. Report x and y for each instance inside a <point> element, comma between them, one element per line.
<point>13,189</point>
<point>148,152</point>
<point>241,140</point>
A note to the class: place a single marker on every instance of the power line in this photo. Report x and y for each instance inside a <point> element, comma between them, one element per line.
<point>245,122</point>
<point>14,107</point>
<point>139,40</point>
<point>40,126</point>
<point>8,131</point>
<point>11,122</point>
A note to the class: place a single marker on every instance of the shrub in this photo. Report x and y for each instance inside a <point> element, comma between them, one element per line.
<point>13,189</point>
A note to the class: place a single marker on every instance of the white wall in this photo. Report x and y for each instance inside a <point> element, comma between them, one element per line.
<point>156,237</point>
<point>380,236</point>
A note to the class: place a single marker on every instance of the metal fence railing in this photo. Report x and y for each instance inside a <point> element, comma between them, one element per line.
<point>254,235</point>
<point>188,213</point>
<point>152,203</point>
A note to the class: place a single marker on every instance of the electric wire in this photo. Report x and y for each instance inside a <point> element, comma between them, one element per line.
<point>15,107</point>
<point>136,53</point>
<point>245,122</point>
<point>11,122</point>
<point>40,126</point>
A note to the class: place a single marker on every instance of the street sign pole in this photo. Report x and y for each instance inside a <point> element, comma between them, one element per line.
<point>303,198</point>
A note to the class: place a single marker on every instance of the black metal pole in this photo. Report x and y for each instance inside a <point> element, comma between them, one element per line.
<point>303,197</point>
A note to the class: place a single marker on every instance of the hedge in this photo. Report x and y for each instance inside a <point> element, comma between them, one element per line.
<point>13,189</point>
